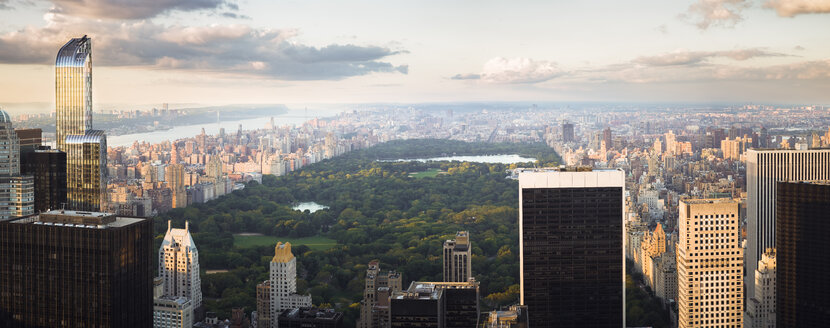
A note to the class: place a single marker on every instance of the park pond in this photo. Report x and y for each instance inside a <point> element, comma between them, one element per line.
<point>310,206</point>
<point>493,159</point>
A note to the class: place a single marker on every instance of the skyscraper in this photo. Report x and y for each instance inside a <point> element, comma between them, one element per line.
<point>17,196</point>
<point>709,264</point>
<point>86,170</point>
<point>263,304</point>
<point>764,169</point>
<point>571,247</point>
<point>802,287</point>
<point>73,90</point>
<point>48,166</point>
<point>78,269</point>
<point>458,258</point>
<point>374,308</point>
<point>567,132</point>
<point>86,149</point>
<point>284,283</point>
<point>435,304</point>
<point>179,265</point>
<point>174,176</point>
<point>761,308</point>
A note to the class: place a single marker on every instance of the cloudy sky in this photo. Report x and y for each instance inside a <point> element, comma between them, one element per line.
<point>334,51</point>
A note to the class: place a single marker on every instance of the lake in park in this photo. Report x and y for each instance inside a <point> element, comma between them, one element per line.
<point>310,206</point>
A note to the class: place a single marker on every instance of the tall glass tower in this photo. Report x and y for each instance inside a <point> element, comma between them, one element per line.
<point>73,90</point>
<point>86,148</point>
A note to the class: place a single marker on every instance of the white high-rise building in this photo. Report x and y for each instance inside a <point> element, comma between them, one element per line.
<point>764,168</point>
<point>458,258</point>
<point>709,264</point>
<point>761,307</point>
<point>179,265</point>
<point>284,283</point>
<point>17,193</point>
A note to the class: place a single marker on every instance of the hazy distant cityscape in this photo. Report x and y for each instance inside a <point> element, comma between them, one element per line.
<point>414,164</point>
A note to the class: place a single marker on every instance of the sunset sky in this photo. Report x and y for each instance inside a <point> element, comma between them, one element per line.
<point>286,51</point>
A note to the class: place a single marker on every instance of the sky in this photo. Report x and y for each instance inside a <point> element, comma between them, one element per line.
<point>216,52</point>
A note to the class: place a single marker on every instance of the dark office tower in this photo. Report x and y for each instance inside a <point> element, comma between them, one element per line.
<point>435,304</point>
<point>571,247</point>
<point>567,132</point>
<point>606,136</point>
<point>76,269</point>
<point>48,166</point>
<point>803,247</point>
<point>30,139</point>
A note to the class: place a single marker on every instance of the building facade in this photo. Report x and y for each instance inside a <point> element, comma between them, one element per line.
<point>761,307</point>
<point>436,304</point>
<point>76,269</point>
<point>709,264</point>
<point>16,192</point>
<point>179,265</point>
<point>86,175</point>
<point>172,312</point>
<point>765,168</point>
<point>571,247</point>
<point>86,149</point>
<point>307,317</point>
<point>284,283</point>
<point>802,250</point>
<point>48,167</point>
<point>379,286</point>
<point>263,304</point>
<point>458,258</point>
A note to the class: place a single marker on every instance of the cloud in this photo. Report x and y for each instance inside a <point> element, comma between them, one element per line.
<point>799,48</point>
<point>227,49</point>
<point>709,13</point>
<point>636,73</point>
<point>513,70</point>
<point>791,8</point>
<point>469,76</point>
<point>685,57</point>
<point>134,9</point>
<point>675,67</point>
<point>4,5</point>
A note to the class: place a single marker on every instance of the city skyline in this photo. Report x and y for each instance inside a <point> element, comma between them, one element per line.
<point>290,52</point>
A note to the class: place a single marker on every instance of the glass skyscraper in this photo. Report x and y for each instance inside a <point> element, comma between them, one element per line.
<point>86,149</point>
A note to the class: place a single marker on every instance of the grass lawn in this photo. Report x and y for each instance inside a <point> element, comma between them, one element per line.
<point>430,173</point>
<point>315,242</point>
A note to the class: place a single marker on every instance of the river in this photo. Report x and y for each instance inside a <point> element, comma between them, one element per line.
<point>289,117</point>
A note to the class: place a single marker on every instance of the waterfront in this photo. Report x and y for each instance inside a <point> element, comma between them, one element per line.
<point>291,117</point>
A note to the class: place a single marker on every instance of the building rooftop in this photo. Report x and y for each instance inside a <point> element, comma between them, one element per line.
<point>563,168</point>
<point>709,201</point>
<point>817,182</point>
<point>311,313</point>
<point>76,219</point>
<point>424,290</point>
